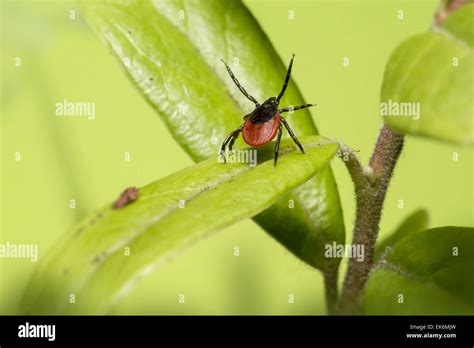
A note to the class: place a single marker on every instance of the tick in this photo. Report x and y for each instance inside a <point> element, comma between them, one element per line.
<point>265,121</point>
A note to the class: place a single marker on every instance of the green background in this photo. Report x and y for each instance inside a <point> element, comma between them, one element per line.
<point>66,158</point>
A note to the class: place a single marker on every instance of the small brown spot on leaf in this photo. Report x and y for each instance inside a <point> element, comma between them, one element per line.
<point>129,195</point>
<point>98,258</point>
<point>79,231</point>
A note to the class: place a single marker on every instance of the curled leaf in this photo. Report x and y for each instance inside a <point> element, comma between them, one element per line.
<point>428,82</point>
<point>108,252</point>
<point>172,52</point>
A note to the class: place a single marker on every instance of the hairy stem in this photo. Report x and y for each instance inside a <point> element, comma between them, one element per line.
<point>330,285</point>
<point>370,188</point>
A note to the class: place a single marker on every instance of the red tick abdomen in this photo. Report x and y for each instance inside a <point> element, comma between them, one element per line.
<point>259,134</point>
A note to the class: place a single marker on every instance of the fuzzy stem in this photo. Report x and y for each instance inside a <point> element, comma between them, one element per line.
<point>330,285</point>
<point>370,190</point>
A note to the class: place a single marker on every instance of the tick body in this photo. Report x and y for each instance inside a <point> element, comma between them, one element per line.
<point>259,134</point>
<point>265,121</point>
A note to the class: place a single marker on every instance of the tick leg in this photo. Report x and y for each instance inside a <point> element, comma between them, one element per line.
<point>234,138</point>
<point>304,106</point>
<point>287,79</point>
<point>295,139</point>
<point>231,137</point>
<point>277,145</point>
<point>242,89</point>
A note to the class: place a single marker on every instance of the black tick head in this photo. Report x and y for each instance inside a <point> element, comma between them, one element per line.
<point>266,111</point>
<point>271,103</point>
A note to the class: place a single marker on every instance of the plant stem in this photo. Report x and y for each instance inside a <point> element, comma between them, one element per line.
<point>370,189</point>
<point>330,285</point>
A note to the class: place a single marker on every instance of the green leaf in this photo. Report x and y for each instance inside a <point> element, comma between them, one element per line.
<point>170,214</point>
<point>459,24</point>
<point>416,221</point>
<point>431,269</point>
<point>435,70</point>
<point>171,51</point>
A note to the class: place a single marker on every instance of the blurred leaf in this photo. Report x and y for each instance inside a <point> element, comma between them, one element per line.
<point>416,221</point>
<point>425,269</point>
<point>171,50</point>
<point>460,22</point>
<point>436,70</point>
<point>92,263</point>
<point>446,8</point>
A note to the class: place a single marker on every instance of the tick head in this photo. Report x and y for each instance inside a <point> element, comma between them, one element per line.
<point>266,111</point>
<point>271,103</point>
